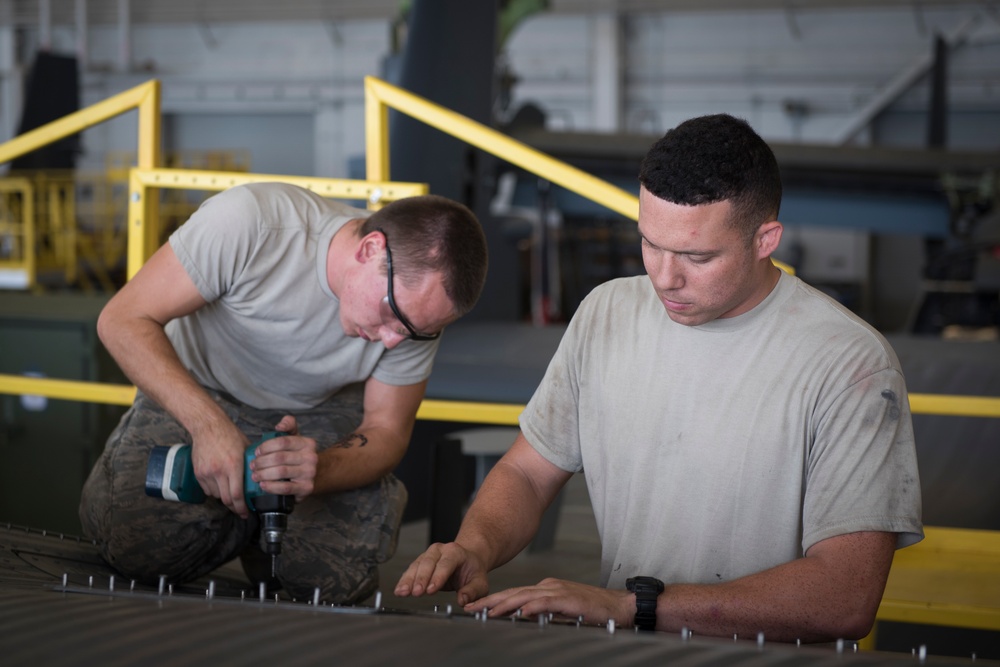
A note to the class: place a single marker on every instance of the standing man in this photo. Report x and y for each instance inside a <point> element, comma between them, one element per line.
<point>273,308</point>
<point>746,440</point>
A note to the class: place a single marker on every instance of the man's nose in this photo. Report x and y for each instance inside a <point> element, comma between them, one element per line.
<point>390,337</point>
<point>668,273</point>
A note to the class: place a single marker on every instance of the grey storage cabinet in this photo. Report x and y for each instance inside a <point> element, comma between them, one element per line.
<point>47,446</point>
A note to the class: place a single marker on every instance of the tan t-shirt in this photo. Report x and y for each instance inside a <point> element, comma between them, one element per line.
<point>717,451</point>
<point>270,335</point>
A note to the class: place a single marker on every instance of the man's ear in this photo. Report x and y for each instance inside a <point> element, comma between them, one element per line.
<point>767,238</point>
<point>370,246</point>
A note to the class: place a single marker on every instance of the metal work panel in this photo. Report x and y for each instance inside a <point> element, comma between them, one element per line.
<point>85,617</point>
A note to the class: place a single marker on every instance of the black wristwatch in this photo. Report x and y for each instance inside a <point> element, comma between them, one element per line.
<point>646,590</point>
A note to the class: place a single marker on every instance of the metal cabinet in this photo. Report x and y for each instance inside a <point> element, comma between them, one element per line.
<point>47,447</point>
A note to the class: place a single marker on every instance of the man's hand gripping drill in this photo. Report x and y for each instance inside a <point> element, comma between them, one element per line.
<point>170,475</point>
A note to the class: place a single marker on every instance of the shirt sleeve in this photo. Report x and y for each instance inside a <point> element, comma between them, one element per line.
<point>862,469</point>
<point>216,243</point>
<point>551,421</point>
<point>408,363</point>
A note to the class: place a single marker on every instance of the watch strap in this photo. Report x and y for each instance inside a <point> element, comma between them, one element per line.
<point>647,590</point>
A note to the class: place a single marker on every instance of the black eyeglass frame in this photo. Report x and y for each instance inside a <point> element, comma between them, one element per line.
<point>392,301</point>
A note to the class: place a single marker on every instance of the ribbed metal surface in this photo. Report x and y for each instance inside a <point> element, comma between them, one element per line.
<point>195,11</point>
<point>84,617</point>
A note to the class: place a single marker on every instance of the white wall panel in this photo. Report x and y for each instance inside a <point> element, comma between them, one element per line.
<point>760,64</point>
<point>245,72</point>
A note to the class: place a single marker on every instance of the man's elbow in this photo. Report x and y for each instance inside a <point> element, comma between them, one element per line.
<point>853,619</point>
<point>857,569</point>
<point>857,625</point>
<point>105,326</point>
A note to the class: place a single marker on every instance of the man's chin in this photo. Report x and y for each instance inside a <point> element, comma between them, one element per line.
<point>688,318</point>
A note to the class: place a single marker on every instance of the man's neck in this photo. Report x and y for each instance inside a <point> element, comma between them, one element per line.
<point>340,254</point>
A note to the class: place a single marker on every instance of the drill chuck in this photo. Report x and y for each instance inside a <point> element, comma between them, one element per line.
<point>273,511</point>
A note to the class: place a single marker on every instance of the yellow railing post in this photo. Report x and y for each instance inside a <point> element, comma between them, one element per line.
<point>143,229</point>
<point>137,224</point>
<point>376,134</point>
<point>149,157</point>
<point>28,250</point>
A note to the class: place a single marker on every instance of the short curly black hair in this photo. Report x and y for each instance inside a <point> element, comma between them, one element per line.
<point>715,158</point>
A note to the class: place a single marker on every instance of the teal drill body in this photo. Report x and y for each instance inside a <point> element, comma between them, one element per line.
<point>170,475</point>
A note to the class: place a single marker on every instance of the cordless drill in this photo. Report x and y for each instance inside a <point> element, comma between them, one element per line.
<point>170,475</point>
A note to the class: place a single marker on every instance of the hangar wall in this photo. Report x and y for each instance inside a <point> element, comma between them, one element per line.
<point>820,73</point>
<point>797,75</point>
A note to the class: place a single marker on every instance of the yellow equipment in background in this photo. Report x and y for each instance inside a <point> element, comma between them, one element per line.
<point>67,228</point>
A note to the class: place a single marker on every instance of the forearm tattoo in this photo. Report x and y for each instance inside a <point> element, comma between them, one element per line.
<point>354,439</point>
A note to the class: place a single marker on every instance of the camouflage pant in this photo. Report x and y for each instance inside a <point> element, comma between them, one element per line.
<point>333,541</point>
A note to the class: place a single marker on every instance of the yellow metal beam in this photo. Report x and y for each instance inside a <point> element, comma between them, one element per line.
<point>138,227</point>
<point>433,409</point>
<point>376,134</point>
<point>957,406</point>
<point>70,390</point>
<point>342,188</point>
<point>142,180</point>
<point>379,96</point>
<point>379,93</point>
<point>78,121</point>
<point>150,147</point>
<point>951,615</point>
<point>951,578</point>
<point>467,411</point>
<point>149,156</point>
<point>118,394</point>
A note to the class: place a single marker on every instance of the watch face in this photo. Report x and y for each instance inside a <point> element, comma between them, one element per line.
<point>644,584</point>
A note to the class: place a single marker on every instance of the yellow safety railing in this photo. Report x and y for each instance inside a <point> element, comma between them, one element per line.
<point>379,98</point>
<point>145,98</point>
<point>121,394</point>
<point>951,579</point>
<point>457,411</point>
